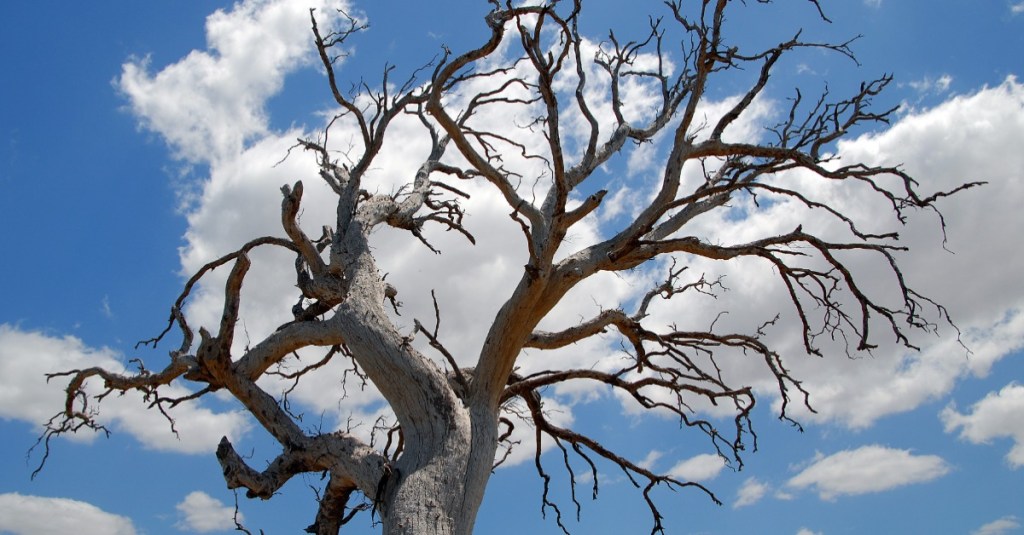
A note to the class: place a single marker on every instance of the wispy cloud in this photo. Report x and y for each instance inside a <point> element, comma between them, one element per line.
<point>649,460</point>
<point>929,85</point>
<point>867,470</point>
<point>750,493</point>
<point>998,527</point>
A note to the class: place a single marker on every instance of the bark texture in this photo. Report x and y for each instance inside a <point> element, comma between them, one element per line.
<point>451,419</point>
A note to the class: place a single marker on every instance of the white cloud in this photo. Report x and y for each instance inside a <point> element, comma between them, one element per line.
<point>37,515</point>
<point>703,467</point>
<point>25,359</point>
<point>998,527</point>
<point>970,129</point>
<point>1017,8</point>
<point>195,104</point>
<point>202,513</point>
<point>750,492</point>
<point>873,3</point>
<point>999,414</point>
<point>866,470</point>
<point>241,200</point>
<point>784,495</point>
<point>857,392</point>
<point>805,531</point>
<point>649,460</point>
<point>27,356</point>
<point>209,104</point>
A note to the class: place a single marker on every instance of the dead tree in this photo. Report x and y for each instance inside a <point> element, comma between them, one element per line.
<point>451,418</point>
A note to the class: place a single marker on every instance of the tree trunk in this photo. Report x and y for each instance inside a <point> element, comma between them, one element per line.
<point>437,485</point>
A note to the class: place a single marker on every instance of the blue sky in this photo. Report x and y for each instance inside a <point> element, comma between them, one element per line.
<point>138,140</point>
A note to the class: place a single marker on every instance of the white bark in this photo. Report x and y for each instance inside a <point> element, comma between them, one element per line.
<point>438,486</point>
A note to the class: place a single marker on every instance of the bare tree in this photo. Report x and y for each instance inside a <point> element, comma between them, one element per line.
<point>430,475</point>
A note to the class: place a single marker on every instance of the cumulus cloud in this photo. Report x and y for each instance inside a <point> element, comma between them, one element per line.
<point>973,128</point>
<point>209,104</point>
<point>27,356</point>
<point>998,415</point>
<point>210,108</point>
<point>805,531</point>
<point>36,515</point>
<point>703,467</point>
<point>202,513</point>
<point>857,392</point>
<point>240,200</point>
<point>1000,526</point>
<point>866,470</point>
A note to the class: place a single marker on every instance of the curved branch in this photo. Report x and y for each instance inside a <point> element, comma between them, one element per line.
<point>176,315</point>
<point>286,340</point>
<point>351,463</point>
<point>289,211</point>
<point>450,74</point>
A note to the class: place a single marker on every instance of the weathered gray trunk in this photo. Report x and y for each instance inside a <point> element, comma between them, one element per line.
<point>437,486</point>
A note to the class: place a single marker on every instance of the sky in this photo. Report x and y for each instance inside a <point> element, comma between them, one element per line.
<point>140,140</point>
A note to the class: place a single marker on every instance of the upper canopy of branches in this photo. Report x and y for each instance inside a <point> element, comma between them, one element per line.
<point>535,112</point>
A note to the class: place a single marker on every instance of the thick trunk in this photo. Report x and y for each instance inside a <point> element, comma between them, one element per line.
<point>437,486</point>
